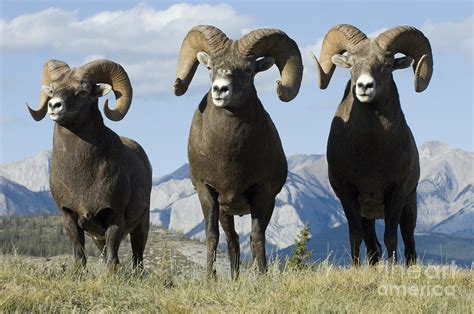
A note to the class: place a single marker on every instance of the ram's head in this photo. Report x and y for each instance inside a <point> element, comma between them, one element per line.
<point>232,64</point>
<point>372,61</point>
<point>69,94</point>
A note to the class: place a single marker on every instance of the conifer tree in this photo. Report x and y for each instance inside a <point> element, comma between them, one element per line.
<point>301,253</point>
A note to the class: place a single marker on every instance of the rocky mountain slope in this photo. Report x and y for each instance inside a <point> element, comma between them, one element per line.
<point>445,197</point>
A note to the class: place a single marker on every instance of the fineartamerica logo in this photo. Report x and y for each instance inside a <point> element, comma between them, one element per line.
<point>428,279</point>
<point>424,290</point>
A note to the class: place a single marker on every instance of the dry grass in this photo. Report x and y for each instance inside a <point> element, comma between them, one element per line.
<point>32,285</point>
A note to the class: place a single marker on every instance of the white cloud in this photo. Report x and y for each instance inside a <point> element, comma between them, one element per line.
<point>144,40</point>
<point>452,37</point>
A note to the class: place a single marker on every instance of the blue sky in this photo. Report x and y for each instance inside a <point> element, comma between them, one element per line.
<point>145,37</point>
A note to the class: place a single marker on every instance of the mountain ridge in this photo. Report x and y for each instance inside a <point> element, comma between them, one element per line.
<point>445,196</point>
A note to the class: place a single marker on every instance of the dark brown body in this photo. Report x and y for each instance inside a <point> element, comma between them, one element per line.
<point>238,167</point>
<point>236,159</point>
<point>101,182</point>
<point>374,170</point>
<point>372,156</point>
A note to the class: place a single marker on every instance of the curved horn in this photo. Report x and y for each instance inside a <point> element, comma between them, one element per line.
<point>339,39</point>
<point>411,42</point>
<point>52,70</point>
<point>205,38</point>
<point>276,44</point>
<point>105,71</point>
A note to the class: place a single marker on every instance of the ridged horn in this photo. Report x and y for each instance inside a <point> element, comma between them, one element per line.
<point>276,44</point>
<point>411,42</point>
<point>205,38</point>
<point>52,70</point>
<point>109,72</point>
<point>339,39</point>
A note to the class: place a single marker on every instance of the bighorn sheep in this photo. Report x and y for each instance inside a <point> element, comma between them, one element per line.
<point>372,156</point>
<point>236,159</point>
<point>100,182</point>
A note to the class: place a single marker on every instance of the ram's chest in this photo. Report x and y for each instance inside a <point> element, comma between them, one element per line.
<point>230,155</point>
<point>367,148</point>
<point>87,185</point>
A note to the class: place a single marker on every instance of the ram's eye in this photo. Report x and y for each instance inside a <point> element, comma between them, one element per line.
<point>208,68</point>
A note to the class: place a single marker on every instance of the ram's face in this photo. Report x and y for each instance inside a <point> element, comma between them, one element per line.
<point>72,97</point>
<point>371,70</point>
<point>232,75</point>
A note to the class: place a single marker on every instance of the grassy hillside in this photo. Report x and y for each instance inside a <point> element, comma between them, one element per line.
<point>31,285</point>
<point>174,280</point>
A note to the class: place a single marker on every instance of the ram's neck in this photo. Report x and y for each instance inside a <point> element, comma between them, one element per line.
<point>89,132</point>
<point>386,108</point>
<point>247,108</point>
<point>81,143</point>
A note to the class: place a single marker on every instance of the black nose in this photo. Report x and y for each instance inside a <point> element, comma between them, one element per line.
<point>220,89</point>
<point>55,105</point>
<point>365,86</point>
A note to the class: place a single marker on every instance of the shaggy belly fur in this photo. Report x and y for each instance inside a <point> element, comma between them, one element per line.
<point>93,227</point>
<point>371,206</point>
<point>237,205</point>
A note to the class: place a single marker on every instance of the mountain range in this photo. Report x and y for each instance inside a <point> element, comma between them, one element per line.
<point>445,198</point>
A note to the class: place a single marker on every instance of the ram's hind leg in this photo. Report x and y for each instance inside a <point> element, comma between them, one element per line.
<point>101,246</point>
<point>374,250</point>
<point>138,239</point>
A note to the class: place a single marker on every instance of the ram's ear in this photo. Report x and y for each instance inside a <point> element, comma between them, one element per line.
<point>102,89</point>
<point>204,59</point>
<point>264,64</point>
<point>402,63</point>
<point>341,61</point>
<point>47,90</point>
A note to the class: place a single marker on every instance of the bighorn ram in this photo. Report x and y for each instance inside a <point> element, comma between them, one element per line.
<point>372,155</point>
<point>100,182</point>
<point>236,159</point>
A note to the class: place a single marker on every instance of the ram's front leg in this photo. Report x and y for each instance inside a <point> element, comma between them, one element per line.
<point>261,207</point>
<point>393,209</point>
<point>76,235</point>
<point>348,198</point>
<point>113,237</point>
<point>210,209</point>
